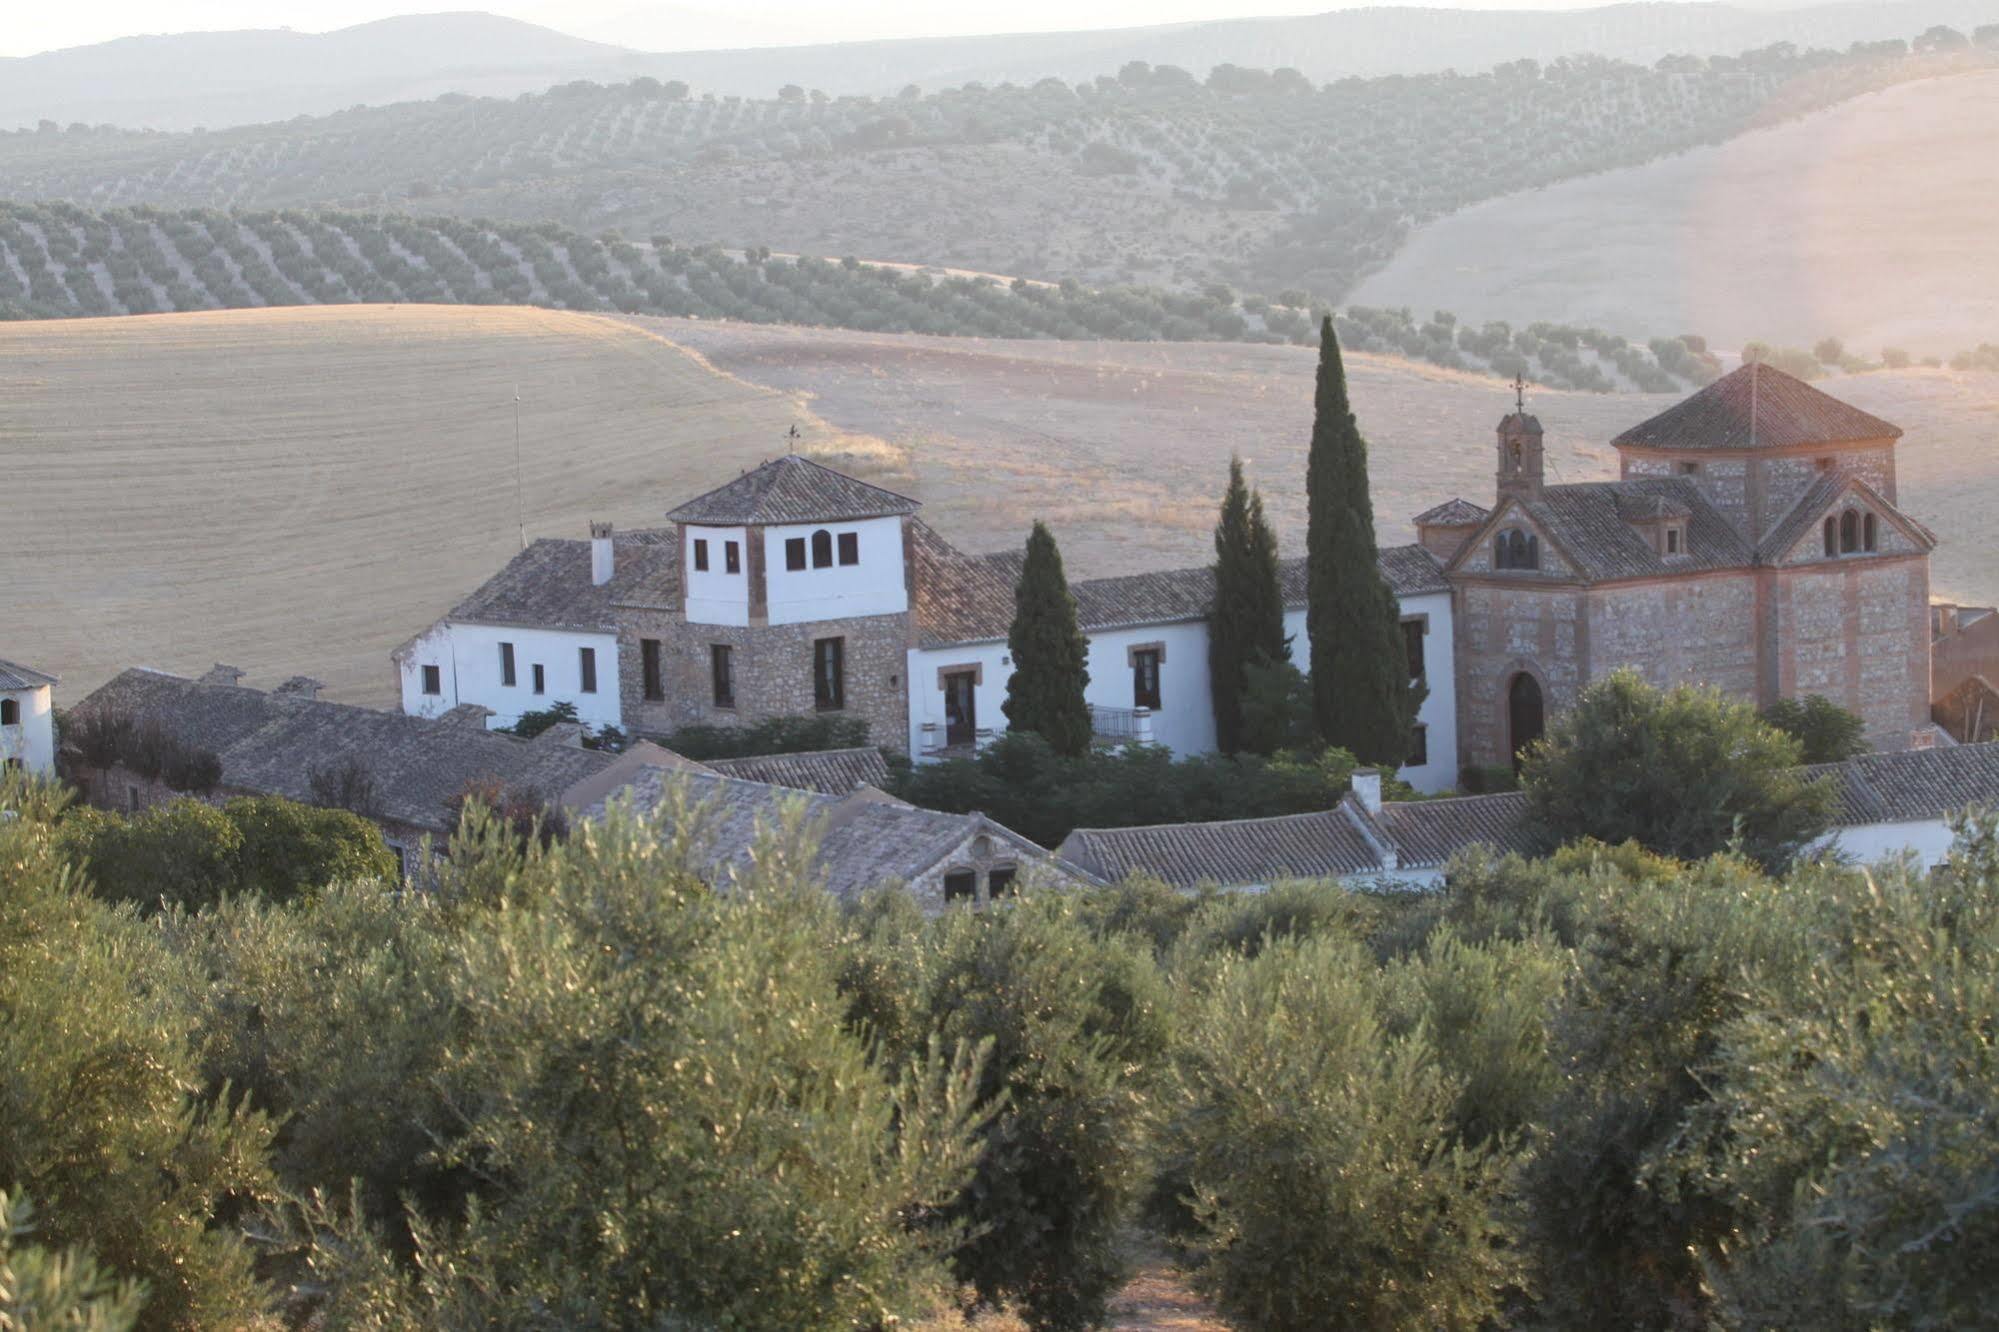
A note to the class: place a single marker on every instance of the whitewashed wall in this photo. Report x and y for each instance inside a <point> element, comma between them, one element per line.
<point>875,586</point>
<point>468,658</point>
<point>717,596</point>
<point>1185,719</point>
<point>1929,839</point>
<point>926,692</point>
<point>32,739</point>
<point>1439,713</point>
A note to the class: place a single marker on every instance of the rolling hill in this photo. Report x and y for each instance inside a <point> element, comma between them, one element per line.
<point>299,490</point>
<point>1870,221</point>
<point>178,81</point>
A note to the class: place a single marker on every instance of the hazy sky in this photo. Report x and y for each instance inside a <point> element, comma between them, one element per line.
<point>671,25</point>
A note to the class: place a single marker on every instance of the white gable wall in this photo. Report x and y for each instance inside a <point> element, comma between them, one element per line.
<point>469,671</point>
<point>1439,713</point>
<point>1185,719</point>
<point>717,596</point>
<point>31,739</point>
<point>874,586</point>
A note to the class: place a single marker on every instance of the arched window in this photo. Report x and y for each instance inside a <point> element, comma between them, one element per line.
<point>1515,549</point>
<point>1531,557</point>
<point>1831,535</point>
<point>10,712</point>
<point>822,549</point>
<point>1849,532</point>
<point>1868,532</point>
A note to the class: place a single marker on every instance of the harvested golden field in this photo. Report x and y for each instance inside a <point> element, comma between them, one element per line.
<point>1870,221</point>
<point>297,491</point>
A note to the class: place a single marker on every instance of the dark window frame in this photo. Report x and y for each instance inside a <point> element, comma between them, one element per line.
<point>1415,629</point>
<point>722,674</point>
<point>794,554</point>
<point>822,549</point>
<point>1831,535</point>
<point>433,681</point>
<point>586,669</point>
<point>829,674</point>
<point>10,712</point>
<point>540,678</point>
<point>1870,532</point>
<point>1419,746</point>
<point>700,555</point>
<point>1849,532</point>
<point>507,677</point>
<point>1145,690</point>
<point>732,557</point>
<point>998,886</point>
<point>961,885</point>
<point>651,675</point>
<point>850,549</point>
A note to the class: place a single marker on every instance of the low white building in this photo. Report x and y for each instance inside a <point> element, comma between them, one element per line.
<point>27,718</point>
<point>1902,803</point>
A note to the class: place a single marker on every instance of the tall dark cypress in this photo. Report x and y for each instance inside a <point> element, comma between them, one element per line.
<point>1045,692</point>
<point>1246,622</point>
<point>1362,696</point>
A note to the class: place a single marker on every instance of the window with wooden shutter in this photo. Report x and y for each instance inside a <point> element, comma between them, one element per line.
<point>829,674</point>
<point>794,553</point>
<point>700,556</point>
<point>649,669</point>
<point>850,547</point>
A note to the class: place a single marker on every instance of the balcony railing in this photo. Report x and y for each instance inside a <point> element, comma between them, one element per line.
<point>1121,726</point>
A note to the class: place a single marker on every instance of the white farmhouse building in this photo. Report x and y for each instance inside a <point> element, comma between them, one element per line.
<point>27,718</point>
<point>796,589</point>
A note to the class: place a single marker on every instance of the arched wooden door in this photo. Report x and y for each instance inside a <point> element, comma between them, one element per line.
<point>1526,716</point>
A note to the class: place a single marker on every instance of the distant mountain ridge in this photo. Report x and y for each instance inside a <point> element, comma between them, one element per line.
<point>221,79</point>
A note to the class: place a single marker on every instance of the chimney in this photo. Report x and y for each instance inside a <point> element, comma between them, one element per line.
<point>300,686</point>
<point>1367,789</point>
<point>602,561</point>
<point>219,674</point>
<point>568,735</point>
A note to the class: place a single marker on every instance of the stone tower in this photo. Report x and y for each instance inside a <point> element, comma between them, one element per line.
<point>1519,472</point>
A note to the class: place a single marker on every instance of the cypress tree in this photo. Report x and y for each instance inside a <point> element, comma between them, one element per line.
<point>1246,622</point>
<point>1045,692</point>
<point>1362,697</point>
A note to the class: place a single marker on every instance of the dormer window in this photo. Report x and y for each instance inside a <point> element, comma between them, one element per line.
<point>1852,532</point>
<point>1675,541</point>
<point>1516,549</point>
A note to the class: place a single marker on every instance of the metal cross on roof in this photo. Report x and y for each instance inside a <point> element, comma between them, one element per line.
<point>1519,393</point>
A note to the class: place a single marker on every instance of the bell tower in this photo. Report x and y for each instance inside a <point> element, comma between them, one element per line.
<point>1519,470</point>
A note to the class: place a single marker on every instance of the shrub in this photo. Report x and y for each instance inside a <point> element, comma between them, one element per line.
<point>182,853</point>
<point>1825,732</point>
<point>287,848</point>
<point>774,735</point>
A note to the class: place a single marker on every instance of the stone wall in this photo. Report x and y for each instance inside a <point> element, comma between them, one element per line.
<point>1857,631</point>
<point>1696,630</point>
<point>773,672</point>
<point>1502,630</point>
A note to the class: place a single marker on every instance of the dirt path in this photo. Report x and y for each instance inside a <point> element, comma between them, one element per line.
<point>1157,1299</point>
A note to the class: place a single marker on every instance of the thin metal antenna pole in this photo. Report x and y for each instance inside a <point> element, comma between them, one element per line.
<point>520,503</point>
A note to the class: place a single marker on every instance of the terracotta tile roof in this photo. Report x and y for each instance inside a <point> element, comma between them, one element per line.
<point>829,771</point>
<point>1230,853</point>
<point>866,838</point>
<point>1757,406</point>
<point>1427,833</point>
<point>1453,513</point>
<point>13,675</point>
<point>792,489</point>
<point>270,743</point>
<point>1804,516</point>
<point>547,586</point>
<point>969,599</point>
<point>1592,522</point>
<point>1913,785</point>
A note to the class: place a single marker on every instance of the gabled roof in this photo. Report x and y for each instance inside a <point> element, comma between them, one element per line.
<point>13,675</point>
<point>792,489</point>
<point>1452,513</point>
<point>1913,785</point>
<point>547,586</point>
<point>969,599</point>
<point>1822,494</point>
<point>1591,523</point>
<point>1427,833</point>
<point>828,771</point>
<point>1324,844</point>
<point>270,744</point>
<point>1756,407</point>
<point>866,838</point>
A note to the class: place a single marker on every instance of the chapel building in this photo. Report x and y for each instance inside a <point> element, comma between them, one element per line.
<point>1751,542</point>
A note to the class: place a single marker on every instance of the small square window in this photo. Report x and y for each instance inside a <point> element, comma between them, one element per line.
<point>850,547</point>
<point>700,556</point>
<point>999,883</point>
<point>794,553</point>
<point>961,886</point>
<point>732,556</point>
<point>433,681</point>
<point>1690,469</point>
